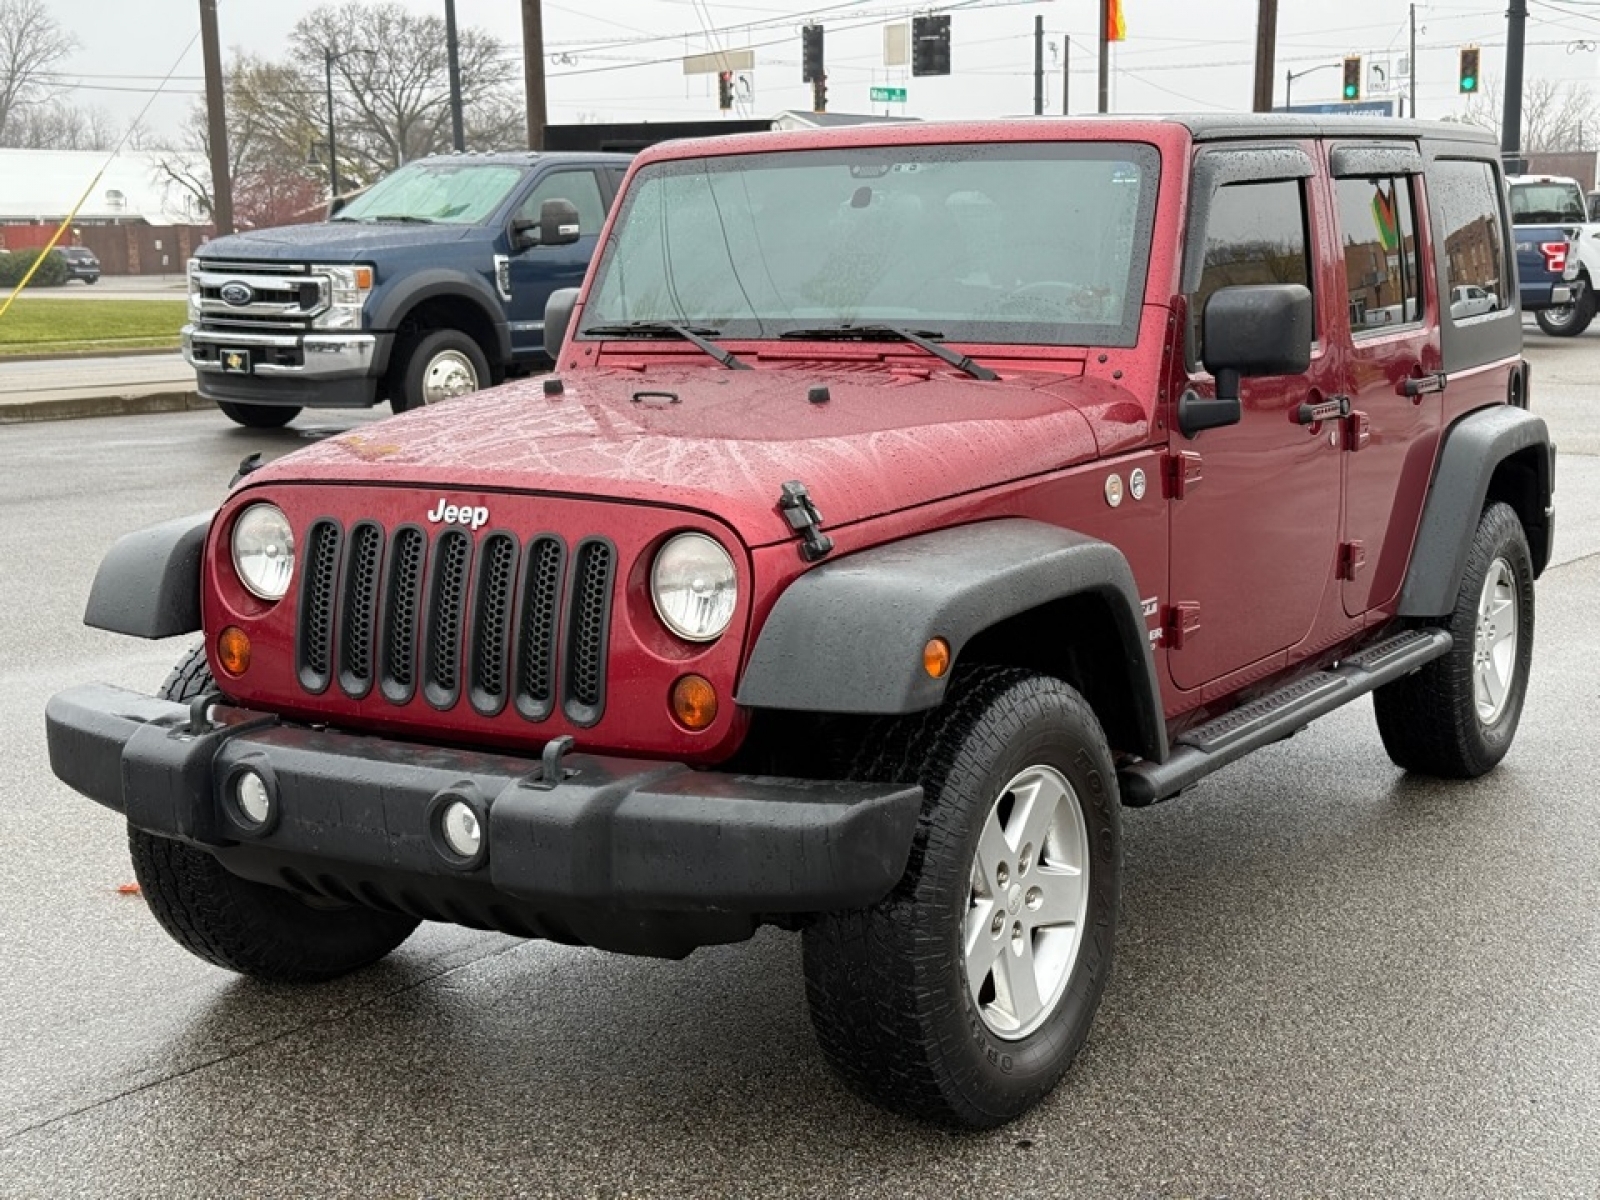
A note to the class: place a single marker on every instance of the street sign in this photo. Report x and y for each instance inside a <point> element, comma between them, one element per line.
<point>1377,76</point>
<point>888,95</point>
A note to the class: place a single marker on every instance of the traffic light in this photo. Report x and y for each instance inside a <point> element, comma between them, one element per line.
<point>725,90</point>
<point>1469,76</point>
<point>811,68</point>
<point>819,94</point>
<point>930,45</point>
<point>1352,77</point>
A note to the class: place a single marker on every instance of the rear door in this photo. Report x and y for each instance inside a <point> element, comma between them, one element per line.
<point>536,272</point>
<point>1393,371</point>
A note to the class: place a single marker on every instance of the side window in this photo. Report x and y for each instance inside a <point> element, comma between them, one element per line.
<point>1255,233</point>
<point>580,187</point>
<point>1469,234</point>
<point>1377,231</point>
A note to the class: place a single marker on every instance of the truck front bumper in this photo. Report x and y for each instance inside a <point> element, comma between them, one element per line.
<point>645,857</point>
<point>324,370</point>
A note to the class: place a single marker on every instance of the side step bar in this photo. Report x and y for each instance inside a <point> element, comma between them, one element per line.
<point>1277,715</point>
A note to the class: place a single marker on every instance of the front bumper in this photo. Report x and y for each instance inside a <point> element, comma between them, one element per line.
<point>314,370</point>
<point>611,842</point>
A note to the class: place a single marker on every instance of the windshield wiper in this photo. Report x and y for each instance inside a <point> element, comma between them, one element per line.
<point>917,337</point>
<point>694,335</point>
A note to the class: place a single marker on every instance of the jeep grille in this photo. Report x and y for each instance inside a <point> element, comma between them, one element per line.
<point>455,619</point>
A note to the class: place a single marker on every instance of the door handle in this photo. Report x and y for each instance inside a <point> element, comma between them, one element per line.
<point>1330,409</point>
<point>1422,385</point>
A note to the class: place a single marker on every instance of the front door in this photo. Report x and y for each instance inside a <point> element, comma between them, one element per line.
<point>1255,532</point>
<point>540,270</point>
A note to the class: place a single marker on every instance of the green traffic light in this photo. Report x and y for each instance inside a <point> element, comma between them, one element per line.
<point>1468,84</point>
<point>1349,92</point>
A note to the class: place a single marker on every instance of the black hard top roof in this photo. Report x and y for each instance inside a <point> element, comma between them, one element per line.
<point>1216,127</point>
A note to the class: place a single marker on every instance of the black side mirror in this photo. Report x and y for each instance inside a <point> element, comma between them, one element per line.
<point>1262,329</point>
<point>557,316</point>
<point>557,226</point>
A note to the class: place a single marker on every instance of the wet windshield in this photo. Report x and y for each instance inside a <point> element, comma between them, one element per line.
<point>1027,242</point>
<point>446,192</point>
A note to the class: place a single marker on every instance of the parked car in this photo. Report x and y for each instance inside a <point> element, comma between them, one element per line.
<point>81,263</point>
<point>1469,300</point>
<point>879,536</point>
<point>427,285</point>
<point>1539,202</point>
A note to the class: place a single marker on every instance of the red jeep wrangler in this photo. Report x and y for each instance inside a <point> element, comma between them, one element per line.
<point>907,499</point>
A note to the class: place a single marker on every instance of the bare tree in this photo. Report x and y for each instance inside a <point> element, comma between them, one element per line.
<point>58,126</point>
<point>1555,116</point>
<point>31,44</point>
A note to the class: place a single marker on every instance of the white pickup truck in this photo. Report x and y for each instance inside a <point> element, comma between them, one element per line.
<point>1556,200</point>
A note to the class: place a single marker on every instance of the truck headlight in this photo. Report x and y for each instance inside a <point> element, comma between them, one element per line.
<point>694,587</point>
<point>263,551</point>
<point>348,287</point>
<point>194,291</point>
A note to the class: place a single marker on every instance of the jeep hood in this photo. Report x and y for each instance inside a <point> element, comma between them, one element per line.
<point>335,241</point>
<point>724,442</point>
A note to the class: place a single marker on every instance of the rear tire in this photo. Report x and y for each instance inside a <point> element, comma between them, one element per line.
<point>1569,320</point>
<point>1455,718</point>
<point>442,365</point>
<point>963,996</point>
<point>264,932</point>
<point>258,416</point>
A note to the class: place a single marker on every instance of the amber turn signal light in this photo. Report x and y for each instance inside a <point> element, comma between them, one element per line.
<point>936,658</point>
<point>233,650</point>
<point>694,702</point>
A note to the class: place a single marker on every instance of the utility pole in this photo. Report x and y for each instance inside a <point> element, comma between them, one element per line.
<point>1038,66</point>
<point>1511,124</point>
<point>216,120</point>
<point>458,136</point>
<point>533,70</point>
<point>1066,72</point>
<point>333,150</point>
<point>1266,44</point>
<point>1105,55</point>
<point>1411,63</point>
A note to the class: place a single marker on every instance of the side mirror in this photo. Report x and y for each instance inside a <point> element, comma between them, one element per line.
<point>1262,329</point>
<point>557,226</point>
<point>557,316</point>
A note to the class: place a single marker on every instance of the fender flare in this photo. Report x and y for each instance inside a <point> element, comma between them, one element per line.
<point>1474,448</point>
<point>439,282</point>
<point>847,636</point>
<point>148,584</point>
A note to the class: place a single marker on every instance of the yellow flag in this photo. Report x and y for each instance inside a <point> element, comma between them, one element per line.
<point>1116,27</point>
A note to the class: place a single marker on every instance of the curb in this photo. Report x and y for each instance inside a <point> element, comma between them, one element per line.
<point>75,355</point>
<point>70,408</point>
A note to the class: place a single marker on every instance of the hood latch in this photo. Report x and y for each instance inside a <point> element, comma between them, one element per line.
<point>804,519</point>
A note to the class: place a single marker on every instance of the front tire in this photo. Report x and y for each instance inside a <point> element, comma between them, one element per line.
<point>964,995</point>
<point>258,416</point>
<point>442,365</point>
<point>1456,717</point>
<point>264,932</point>
<point>1569,320</point>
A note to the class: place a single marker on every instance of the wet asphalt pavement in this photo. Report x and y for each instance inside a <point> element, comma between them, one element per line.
<point>1332,981</point>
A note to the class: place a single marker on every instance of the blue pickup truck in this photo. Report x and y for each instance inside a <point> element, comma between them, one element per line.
<point>1547,268</point>
<point>430,284</point>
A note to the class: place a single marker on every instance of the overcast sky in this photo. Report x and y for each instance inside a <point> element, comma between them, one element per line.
<point>1179,55</point>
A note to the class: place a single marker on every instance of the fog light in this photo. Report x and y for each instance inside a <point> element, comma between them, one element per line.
<point>459,827</point>
<point>255,802</point>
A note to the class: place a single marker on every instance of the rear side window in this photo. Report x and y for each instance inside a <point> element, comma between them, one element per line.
<point>1468,232</point>
<point>1377,233</point>
<point>1256,233</point>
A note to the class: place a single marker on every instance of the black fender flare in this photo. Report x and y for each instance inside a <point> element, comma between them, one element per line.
<point>148,584</point>
<point>848,635</point>
<point>1474,450</point>
<point>442,283</point>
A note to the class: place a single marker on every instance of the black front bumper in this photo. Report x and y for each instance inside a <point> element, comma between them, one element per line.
<point>628,854</point>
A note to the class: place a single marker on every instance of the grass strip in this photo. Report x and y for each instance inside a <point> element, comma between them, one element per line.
<point>46,326</point>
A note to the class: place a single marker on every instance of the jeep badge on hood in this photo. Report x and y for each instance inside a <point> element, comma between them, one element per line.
<point>474,517</point>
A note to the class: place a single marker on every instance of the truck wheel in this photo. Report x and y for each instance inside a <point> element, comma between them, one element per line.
<point>248,927</point>
<point>1455,717</point>
<point>963,996</point>
<point>1569,320</point>
<point>442,365</point>
<point>259,416</point>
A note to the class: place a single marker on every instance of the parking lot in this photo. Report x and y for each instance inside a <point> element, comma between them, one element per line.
<point>1333,980</point>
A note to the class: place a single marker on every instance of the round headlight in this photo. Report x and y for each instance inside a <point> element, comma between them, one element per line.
<point>694,587</point>
<point>263,551</point>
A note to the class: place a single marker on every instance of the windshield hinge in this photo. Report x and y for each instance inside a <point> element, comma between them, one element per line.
<point>804,519</point>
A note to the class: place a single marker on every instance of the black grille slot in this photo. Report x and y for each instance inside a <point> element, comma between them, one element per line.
<point>447,611</point>
<point>317,592</point>
<point>589,621</point>
<point>402,601</point>
<point>536,640</point>
<point>491,622</point>
<point>358,608</point>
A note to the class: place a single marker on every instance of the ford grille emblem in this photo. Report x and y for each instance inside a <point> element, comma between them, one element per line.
<point>237,294</point>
